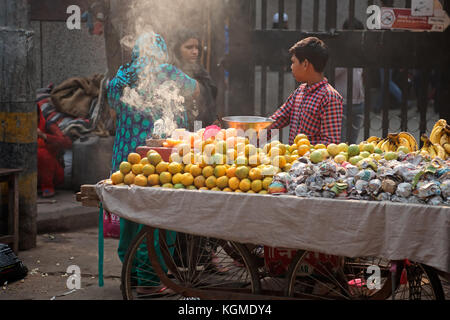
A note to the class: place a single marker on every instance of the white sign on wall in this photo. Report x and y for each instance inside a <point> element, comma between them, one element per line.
<point>422,8</point>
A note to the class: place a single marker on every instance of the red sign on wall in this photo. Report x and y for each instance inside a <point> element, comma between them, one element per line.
<point>399,18</point>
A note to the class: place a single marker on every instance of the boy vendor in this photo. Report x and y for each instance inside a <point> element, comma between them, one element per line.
<point>315,108</point>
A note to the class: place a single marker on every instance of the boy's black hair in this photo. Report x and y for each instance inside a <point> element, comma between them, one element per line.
<point>313,49</point>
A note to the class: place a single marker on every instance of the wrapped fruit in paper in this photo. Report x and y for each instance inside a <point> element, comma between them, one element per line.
<point>435,201</point>
<point>426,190</point>
<point>388,186</point>
<point>445,189</point>
<point>404,190</point>
<point>302,190</point>
<point>315,182</point>
<point>384,196</point>
<point>365,175</point>
<point>374,187</point>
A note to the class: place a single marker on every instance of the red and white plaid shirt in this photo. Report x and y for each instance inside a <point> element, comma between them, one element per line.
<point>316,111</point>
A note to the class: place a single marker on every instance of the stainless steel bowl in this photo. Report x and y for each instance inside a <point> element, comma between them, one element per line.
<point>247,122</point>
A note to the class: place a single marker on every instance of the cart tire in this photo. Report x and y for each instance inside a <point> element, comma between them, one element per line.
<point>182,285</point>
<point>350,280</point>
<point>204,267</point>
<point>129,279</point>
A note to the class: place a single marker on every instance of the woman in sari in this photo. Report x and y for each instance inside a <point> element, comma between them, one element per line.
<point>138,95</point>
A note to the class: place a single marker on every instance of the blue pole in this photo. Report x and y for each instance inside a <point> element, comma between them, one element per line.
<point>100,246</point>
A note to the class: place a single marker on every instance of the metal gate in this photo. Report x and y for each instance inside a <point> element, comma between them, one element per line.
<point>257,67</point>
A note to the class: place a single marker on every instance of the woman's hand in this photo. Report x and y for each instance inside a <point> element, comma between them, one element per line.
<point>41,135</point>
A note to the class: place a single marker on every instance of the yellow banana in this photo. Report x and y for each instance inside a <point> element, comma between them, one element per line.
<point>385,146</point>
<point>444,139</point>
<point>393,146</point>
<point>439,123</point>
<point>373,139</point>
<point>379,145</point>
<point>432,151</point>
<point>412,141</point>
<point>405,143</point>
<point>440,151</point>
<point>447,147</point>
<point>436,134</point>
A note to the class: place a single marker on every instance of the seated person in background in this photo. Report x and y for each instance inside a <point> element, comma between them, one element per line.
<point>186,53</point>
<point>315,108</point>
<point>51,145</point>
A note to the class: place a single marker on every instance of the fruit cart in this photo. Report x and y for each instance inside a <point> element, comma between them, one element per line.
<point>207,227</point>
<point>227,245</point>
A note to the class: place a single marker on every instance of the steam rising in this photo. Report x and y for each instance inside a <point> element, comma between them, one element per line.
<point>150,17</point>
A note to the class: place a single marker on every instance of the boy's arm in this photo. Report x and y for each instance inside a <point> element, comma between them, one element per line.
<point>331,122</point>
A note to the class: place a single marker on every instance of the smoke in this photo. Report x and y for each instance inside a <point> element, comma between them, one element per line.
<point>160,17</point>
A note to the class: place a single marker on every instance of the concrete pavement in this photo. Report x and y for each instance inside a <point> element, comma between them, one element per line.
<point>67,235</point>
<point>63,213</point>
<point>48,263</point>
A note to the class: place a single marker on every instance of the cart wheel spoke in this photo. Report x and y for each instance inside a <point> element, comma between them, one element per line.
<point>351,280</point>
<point>190,265</point>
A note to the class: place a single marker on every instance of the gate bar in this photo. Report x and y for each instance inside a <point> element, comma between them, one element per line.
<point>349,104</point>
<point>298,12</point>
<point>263,14</point>
<point>331,15</point>
<point>404,106</point>
<point>280,14</point>
<point>367,103</point>
<point>263,89</point>
<point>316,16</point>
<point>386,102</point>
<point>351,14</point>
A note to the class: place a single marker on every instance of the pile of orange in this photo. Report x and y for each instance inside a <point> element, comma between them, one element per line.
<point>224,163</point>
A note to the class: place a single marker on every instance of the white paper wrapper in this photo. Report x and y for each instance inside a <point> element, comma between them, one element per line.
<point>404,190</point>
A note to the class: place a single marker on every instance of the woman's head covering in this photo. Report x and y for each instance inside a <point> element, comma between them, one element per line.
<point>150,46</point>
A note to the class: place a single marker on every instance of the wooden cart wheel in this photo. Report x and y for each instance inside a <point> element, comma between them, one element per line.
<point>201,267</point>
<point>350,281</point>
<point>137,271</point>
<point>191,266</point>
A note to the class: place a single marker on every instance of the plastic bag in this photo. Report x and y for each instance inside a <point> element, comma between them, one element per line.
<point>111,225</point>
<point>11,268</point>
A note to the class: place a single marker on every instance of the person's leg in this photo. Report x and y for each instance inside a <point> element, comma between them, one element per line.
<point>146,276</point>
<point>395,91</point>
<point>358,116</point>
<point>46,171</point>
<point>59,174</point>
<point>128,231</point>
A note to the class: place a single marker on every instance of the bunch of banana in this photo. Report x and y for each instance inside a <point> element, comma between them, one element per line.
<point>373,140</point>
<point>440,136</point>
<point>387,145</point>
<point>432,149</point>
<point>407,140</point>
<point>396,140</point>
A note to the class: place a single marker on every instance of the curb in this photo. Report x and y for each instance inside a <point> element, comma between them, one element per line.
<point>69,220</point>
